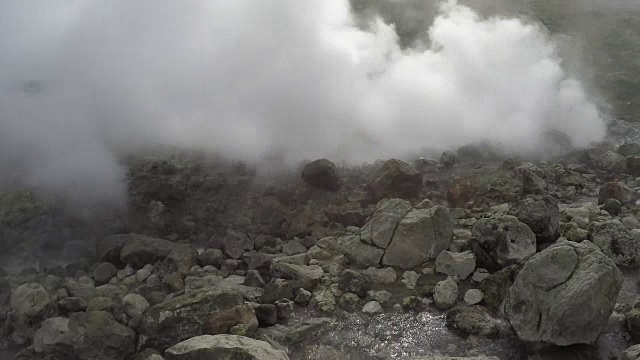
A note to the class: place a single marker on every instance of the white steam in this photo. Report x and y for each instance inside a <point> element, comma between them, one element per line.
<point>84,81</point>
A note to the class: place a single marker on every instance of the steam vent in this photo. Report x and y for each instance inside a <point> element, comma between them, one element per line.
<point>319,180</point>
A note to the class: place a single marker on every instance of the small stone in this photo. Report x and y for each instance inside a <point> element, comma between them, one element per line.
<point>126,272</point>
<point>479,275</point>
<point>410,279</point>
<point>382,297</point>
<point>456,264</point>
<point>154,281</point>
<point>445,293</point>
<point>134,305</point>
<point>142,275</point>
<point>211,257</point>
<point>410,302</point>
<point>349,301</point>
<point>303,297</point>
<point>473,297</point>
<point>612,206</point>
<point>383,276</point>
<point>372,308</point>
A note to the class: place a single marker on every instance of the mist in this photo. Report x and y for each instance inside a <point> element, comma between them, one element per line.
<point>85,82</point>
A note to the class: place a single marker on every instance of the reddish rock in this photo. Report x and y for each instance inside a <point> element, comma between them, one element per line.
<point>395,179</point>
<point>614,190</point>
<point>460,195</point>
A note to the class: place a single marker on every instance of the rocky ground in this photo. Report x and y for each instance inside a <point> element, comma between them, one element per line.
<point>471,254</point>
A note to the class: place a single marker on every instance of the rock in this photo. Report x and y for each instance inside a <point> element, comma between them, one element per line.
<point>349,302</point>
<point>354,282</point>
<point>323,352</point>
<point>572,232</point>
<point>532,183</point>
<point>213,257</point>
<point>72,304</point>
<point>159,323</point>
<point>612,206</point>
<point>410,279</point>
<point>104,272</point>
<point>306,277</point>
<point>221,322</point>
<point>460,265</point>
<point>473,297</point>
<point>479,275</point>
<point>508,239</point>
<point>324,299</point>
<point>235,243</point>
<point>303,297</point>
<point>445,293</point>
<point>615,190</point>
<point>174,282</point>
<point>628,149</point>
<point>31,304</point>
<point>267,314</point>
<point>223,347</point>
<point>53,337</point>
<point>613,162</point>
<point>321,174</point>
<point>381,296</point>
<point>541,215</point>
<point>134,305</point>
<point>139,250</point>
<point>380,228</point>
<point>304,329</point>
<point>496,286</point>
<point>633,165</point>
<point>148,354</point>
<point>372,308</point>
<point>360,254</point>
<point>253,278</point>
<point>386,275</point>
<point>631,353</point>
<point>394,179</point>
<point>293,248</point>
<point>182,258</point>
<point>285,309</point>
<point>455,358</point>
<point>472,320</point>
<point>421,235</point>
<point>277,289</point>
<point>142,275</point>
<point>96,335</point>
<point>564,295</point>
<point>448,158</point>
<point>616,242</point>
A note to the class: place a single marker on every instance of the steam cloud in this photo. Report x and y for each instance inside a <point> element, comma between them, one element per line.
<point>85,81</point>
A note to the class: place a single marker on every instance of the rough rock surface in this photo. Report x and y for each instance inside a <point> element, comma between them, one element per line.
<point>31,303</point>
<point>379,230</point>
<point>616,242</point>
<point>395,179</point>
<point>321,174</point>
<point>96,335</point>
<point>508,240</point>
<point>359,253</point>
<point>541,215</point>
<point>421,235</point>
<point>460,265</point>
<point>139,250</point>
<point>564,295</point>
<point>223,347</point>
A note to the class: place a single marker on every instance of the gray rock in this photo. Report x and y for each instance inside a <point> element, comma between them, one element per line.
<point>277,289</point>
<point>134,305</point>
<point>509,240</point>
<point>564,295</point>
<point>410,279</point>
<point>306,277</point>
<point>460,265</point>
<point>223,347</point>
<point>139,250</point>
<point>372,308</point>
<point>381,296</point>
<point>253,278</point>
<point>360,254</point>
<point>421,235</point>
<point>616,242</point>
<point>142,275</point>
<point>445,293</point>
<point>380,228</point>
<point>541,215</point>
<point>96,335</point>
<point>479,275</point>
<point>213,257</point>
<point>321,174</point>
<point>104,272</point>
<point>448,158</point>
<point>472,320</point>
<point>293,247</point>
<point>455,358</point>
<point>473,297</point>
<point>72,304</point>
<point>394,179</point>
<point>377,276</point>
<point>31,303</point>
<point>631,353</point>
<point>235,243</point>
<point>185,312</point>
<point>354,282</point>
<point>285,308</point>
<point>182,258</point>
<point>303,297</point>
<point>53,336</point>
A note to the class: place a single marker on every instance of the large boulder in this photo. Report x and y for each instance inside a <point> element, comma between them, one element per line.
<point>139,250</point>
<point>421,235</point>
<point>380,228</point>
<point>182,258</point>
<point>299,276</point>
<point>564,295</point>
<point>95,335</point>
<point>395,179</point>
<point>188,312</point>
<point>358,253</point>
<point>53,337</point>
<point>460,265</point>
<point>542,215</point>
<point>235,243</point>
<point>616,242</point>
<point>31,304</point>
<point>321,174</point>
<point>615,190</point>
<point>223,347</point>
<point>508,240</point>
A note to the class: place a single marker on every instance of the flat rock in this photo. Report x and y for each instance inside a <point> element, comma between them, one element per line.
<point>223,347</point>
